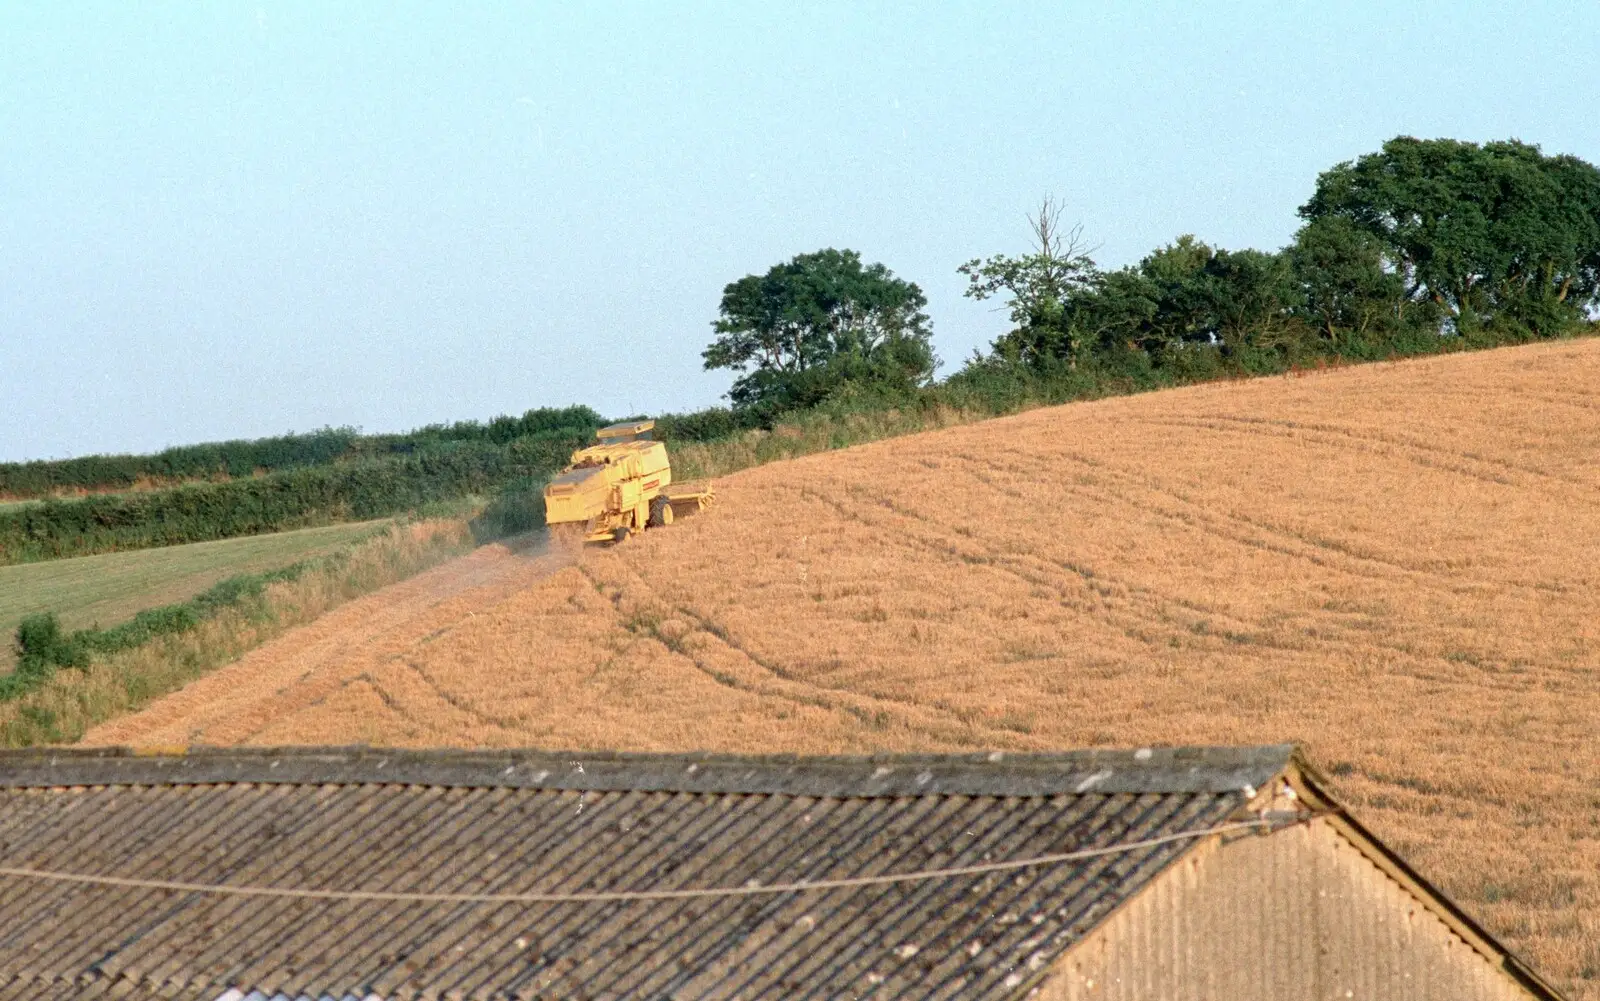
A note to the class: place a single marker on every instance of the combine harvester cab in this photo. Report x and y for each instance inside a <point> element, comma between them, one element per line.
<point>619,486</point>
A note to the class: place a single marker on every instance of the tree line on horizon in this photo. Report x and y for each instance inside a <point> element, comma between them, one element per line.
<point>243,458</point>
<point>1425,245</point>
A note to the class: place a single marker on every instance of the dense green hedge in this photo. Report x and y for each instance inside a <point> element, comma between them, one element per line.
<point>344,491</point>
<point>706,425</point>
<point>499,431</point>
<point>239,459</point>
<point>101,473</point>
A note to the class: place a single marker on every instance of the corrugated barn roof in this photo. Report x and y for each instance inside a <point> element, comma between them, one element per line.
<point>523,823</point>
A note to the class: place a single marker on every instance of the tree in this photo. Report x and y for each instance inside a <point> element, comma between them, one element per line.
<point>1190,293</point>
<point>819,322</point>
<point>1039,287</point>
<point>1253,299</point>
<point>1186,293</point>
<point>1348,291</point>
<point>1181,295</point>
<point>1486,233</point>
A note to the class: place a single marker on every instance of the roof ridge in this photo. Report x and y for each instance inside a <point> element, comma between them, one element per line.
<point>998,773</point>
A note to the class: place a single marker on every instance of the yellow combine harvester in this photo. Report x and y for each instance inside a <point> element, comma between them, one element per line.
<point>614,489</point>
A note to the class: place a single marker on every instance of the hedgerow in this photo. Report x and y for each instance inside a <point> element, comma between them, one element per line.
<point>232,460</point>
<point>296,498</point>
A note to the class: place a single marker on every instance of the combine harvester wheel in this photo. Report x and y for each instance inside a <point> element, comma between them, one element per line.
<point>661,513</point>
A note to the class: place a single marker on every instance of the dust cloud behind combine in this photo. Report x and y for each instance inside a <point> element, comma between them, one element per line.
<point>1396,564</point>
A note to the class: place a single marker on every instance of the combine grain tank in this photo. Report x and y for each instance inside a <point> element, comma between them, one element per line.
<point>615,488</point>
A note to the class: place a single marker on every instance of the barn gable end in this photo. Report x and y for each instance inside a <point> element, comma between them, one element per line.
<point>1314,910</point>
<point>1300,913</point>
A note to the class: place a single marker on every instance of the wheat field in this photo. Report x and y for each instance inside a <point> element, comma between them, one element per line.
<point>1395,564</point>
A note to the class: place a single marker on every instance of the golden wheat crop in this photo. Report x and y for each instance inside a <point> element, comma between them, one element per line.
<point>1396,564</point>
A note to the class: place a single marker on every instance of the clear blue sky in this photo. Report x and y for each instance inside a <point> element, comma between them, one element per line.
<point>232,220</point>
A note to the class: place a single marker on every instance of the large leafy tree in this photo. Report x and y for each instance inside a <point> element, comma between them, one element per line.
<point>1253,299</point>
<point>1485,233</point>
<point>817,323</point>
<point>1348,290</point>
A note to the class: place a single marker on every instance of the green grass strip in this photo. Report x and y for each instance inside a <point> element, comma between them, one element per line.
<point>43,648</point>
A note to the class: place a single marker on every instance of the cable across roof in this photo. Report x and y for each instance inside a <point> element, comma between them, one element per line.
<point>751,888</point>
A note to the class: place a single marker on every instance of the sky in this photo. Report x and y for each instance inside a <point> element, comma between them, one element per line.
<point>235,220</point>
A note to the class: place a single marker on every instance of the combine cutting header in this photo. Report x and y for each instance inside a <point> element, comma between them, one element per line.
<point>614,489</point>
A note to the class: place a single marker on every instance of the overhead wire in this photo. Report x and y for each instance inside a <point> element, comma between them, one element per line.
<point>751,888</point>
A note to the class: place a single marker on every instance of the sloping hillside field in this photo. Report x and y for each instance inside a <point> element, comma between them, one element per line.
<point>1398,564</point>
